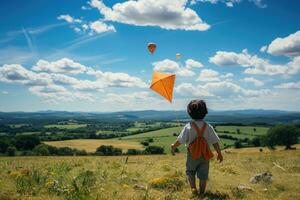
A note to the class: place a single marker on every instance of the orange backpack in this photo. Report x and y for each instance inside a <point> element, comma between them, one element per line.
<point>199,146</point>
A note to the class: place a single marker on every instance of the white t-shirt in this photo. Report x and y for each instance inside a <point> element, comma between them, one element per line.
<point>189,134</point>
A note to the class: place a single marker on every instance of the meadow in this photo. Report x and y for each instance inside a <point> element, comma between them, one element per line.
<point>90,145</point>
<point>149,177</point>
<point>163,137</point>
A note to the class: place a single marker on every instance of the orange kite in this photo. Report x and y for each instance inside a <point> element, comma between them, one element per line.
<point>163,84</point>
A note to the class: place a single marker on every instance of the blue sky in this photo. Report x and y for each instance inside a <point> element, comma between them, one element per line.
<point>92,55</point>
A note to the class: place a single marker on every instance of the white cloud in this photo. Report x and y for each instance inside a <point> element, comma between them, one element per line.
<point>15,73</point>
<point>254,64</point>
<point>166,66</point>
<point>290,85</point>
<point>4,92</point>
<point>69,19</point>
<point>208,75</point>
<point>162,13</point>
<point>111,79</point>
<point>101,27</point>
<point>221,89</point>
<point>288,46</point>
<point>64,65</point>
<point>263,49</point>
<point>230,3</point>
<point>227,89</point>
<point>256,82</point>
<point>142,99</point>
<point>189,90</point>
<point>190,63</point>
<point>171,66</point>
<point>82,27</point>
<point>56,94</point>
<point>51,82</point>
<point>225,58</point>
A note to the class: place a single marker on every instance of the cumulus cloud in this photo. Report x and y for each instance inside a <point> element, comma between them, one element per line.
<point>288,46</point>
<point>171,66</point>
<point>208,75</point>
<point>256,82</point>
<point>221,89</point>
<point>263,49</point>
<point>131,98</point>
<point>68,19</point>
<point>190,90</point>
<point>63,65</point>
<point>255,65</point>
<point>227,89</point>
<point>230,3</point>
<point>289,85</point>
<point>15,73</point>
<point>161,13</point>
<point>56,94</point>
<point>80,26</point>
<point>190,63</point>
<point>225,58</point>
<point>55,80</point>
<point>101,27</point>
<point>111,79</point>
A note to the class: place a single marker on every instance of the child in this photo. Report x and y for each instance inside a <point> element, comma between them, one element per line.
<point>198,150</point>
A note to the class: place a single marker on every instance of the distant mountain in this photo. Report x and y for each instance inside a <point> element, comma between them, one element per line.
<point>230,116</point>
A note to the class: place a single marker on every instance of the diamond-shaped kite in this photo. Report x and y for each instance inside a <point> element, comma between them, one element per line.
<point>163,84</point>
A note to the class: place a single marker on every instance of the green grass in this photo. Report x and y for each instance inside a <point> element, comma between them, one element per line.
<point>248,130</point>
<point>163,137</point>
<point>59,178</point>
<point>65,126</point>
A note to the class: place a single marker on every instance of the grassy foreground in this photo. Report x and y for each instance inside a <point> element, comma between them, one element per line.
<point>147,177</point>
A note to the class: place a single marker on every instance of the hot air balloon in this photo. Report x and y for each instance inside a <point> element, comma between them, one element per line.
<point>151,47</point>
<point>178,55</point>
<point>163,84</point>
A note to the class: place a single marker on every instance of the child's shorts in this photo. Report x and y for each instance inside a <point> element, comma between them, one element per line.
<point>199,167</point>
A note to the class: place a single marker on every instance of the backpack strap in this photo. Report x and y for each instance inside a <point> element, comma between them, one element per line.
<point>198,130</point>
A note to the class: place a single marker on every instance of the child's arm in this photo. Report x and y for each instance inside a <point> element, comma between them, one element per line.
<point>217,148</point>
<point>174,146</point>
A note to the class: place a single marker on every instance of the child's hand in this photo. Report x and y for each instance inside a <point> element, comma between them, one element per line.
<point>220,157</point>
<point>173,149</point>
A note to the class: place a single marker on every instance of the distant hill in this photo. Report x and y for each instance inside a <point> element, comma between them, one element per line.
<point>231,116</point>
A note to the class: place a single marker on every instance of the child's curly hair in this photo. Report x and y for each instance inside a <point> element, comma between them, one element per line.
<point>197,109</point>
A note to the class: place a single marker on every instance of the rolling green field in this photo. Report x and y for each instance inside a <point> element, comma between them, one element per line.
<point>244,130</point>
<point>160,177</point>
<point>65,126</point>
<point>163,137</point>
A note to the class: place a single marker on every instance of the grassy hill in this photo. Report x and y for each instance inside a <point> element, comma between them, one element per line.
<point>148,177</point>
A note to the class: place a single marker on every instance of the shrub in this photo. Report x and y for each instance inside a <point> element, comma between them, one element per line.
<point>133,152</point>
<point>26,142</point>
<point>256,142</point>
<point>150,140</point>
<point>11,151</point>
<point>238,144</point>
<point>145,143</point>
<point>109,150</point>
<point>4,144</point>
<point>65,151</point>
<point>41,150</point>
<point>154,150</point>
